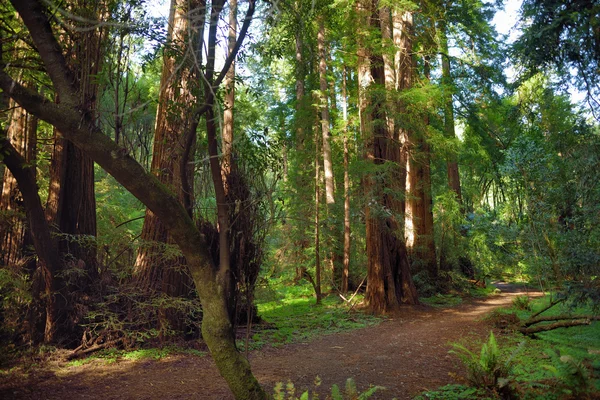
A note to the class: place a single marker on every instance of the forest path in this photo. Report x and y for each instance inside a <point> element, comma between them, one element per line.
<point>407,353</point>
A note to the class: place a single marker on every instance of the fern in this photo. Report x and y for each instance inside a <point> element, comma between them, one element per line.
<point>488,369</point>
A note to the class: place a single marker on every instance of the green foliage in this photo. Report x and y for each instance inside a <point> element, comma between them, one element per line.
<point>572,374</point>
<point>457,392</point>
<point>489,369</point>
<point>522,302</point>
<point>288,391</point>
<point>561,36</point>
<point>15,305</point>
<point>538,371</point>
<point>293,316</point>
<point>110,356</point>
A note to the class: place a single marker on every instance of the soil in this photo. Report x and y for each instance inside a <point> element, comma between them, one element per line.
<point>407,354</point>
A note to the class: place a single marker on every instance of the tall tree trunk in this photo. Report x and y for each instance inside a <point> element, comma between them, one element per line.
<point>154,272</point>
<point>389,282</point>
<point>317,222</point>
<point>15,235</point>
<point>326,145</point>
<point>228,123</point>
<point>422,245</point>
<point>301,176</point>
<point>71,203</point>
<point>449,130</point>
<point>325,120</point>
<point>451,162</point>
<point>346,268</point>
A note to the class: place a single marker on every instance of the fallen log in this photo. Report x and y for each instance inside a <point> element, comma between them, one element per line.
<point>548,327</point>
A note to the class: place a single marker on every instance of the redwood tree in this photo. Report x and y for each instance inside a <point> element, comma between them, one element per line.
<point>389,281</point>
<point>158,270</point>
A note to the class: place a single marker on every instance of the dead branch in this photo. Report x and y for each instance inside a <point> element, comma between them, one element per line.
<point>548,327</point>
<point>563,317</point>
<point>549,306</point>
<point>80,351</point>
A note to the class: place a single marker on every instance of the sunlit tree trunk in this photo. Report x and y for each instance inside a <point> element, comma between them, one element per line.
<point>422,245</point>
<point>228,123</point>
<point>346,259</point>
<point>389,282</point>
<point>325,120</point>
<point>158,269</point>
<point>449,129</point>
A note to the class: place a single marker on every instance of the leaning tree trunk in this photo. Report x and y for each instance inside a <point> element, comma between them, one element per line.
<point>159,270</point>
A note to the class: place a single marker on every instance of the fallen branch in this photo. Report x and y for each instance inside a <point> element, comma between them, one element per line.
<point>563,317</point>
<point>548,327</point>
<point>549,306</point>
<point>80,351</point>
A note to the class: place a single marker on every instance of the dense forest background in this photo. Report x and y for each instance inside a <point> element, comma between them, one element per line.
<point>160,177</point>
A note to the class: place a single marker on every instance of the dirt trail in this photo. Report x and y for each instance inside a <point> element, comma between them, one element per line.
<point>407,353</point>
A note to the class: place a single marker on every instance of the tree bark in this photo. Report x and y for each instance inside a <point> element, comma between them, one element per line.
<point>317,222</point>
<point>45,246</point>
<point>346,268</point>
<point>228,122</point>
<point>153,272</point>
<point>325,120</point>
<point>449,130</point>
<point>15,235</point>
<point>71,203</point>
<point>389,282</point>
<point>419,204</point>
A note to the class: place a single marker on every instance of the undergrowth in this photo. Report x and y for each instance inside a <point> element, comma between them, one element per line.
<point>349,392</point>
<point>291,315</point>
<point>558,364</point>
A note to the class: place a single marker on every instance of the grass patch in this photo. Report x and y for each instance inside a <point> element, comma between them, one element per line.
<point>455,298</point>
<point>110,356</point>
<point>457,392</point>
<point>442,300</point>
<point>294,317</point>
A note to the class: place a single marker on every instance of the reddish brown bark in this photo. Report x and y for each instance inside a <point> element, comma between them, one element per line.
<point>158,269</point>
<point>14,231</point>
<point>389,282</point>
<point>420,204</point>
<point>346,258</point>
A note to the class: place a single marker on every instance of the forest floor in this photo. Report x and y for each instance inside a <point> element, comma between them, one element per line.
<point>407,353</point>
